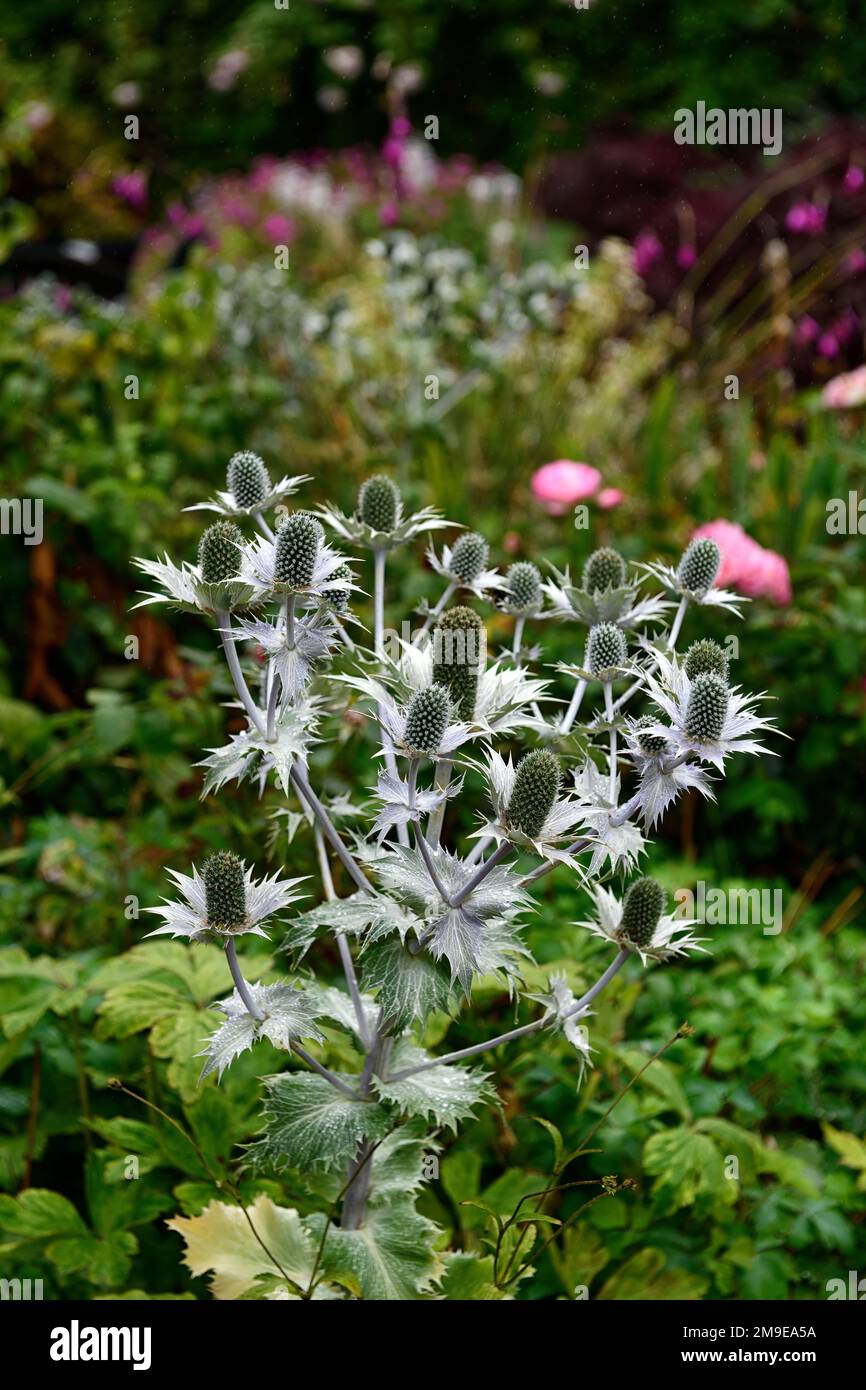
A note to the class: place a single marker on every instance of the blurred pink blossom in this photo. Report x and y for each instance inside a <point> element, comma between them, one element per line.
<point>279,229</point>
<point>746,566</point>
<point>828,345</point>
<point>610,497</point>
<point>856,261</point>
<point>847,389</point>
<point>854,179</point>
<point>686,256</point>
<point>645,252</point>
<point>807,330</point>
<point>809,219</point>
<point>558,485</point>
<point>227,69</point>
<point>132,188</point>
<point>388,214</point>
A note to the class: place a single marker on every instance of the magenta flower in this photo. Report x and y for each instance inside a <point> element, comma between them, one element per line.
<point>806,331</point>
<point>828,344</point>
<point>856,261</point>
<point>388,213</point>
<point>279,229</point>
<point>646,251</point>
<point>747,566</point>
<point>854,179</point>
<point>807,219</point>
<point>559,485</point>
<point>686,256</point>
<point>132,188</point>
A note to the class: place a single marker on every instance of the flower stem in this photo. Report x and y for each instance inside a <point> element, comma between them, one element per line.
<point>302,785</point>
<point>517,641</point>
<point>237,675</point>
<point>608,709</point>
<point>549,865</point>
<point>434,612</point>
<point>573,709</point>
<point>342,944</point>
<point>240,983</point>
<point>441,782</point>
<point>480,874</point>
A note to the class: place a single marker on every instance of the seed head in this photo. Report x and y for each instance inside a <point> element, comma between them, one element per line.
<point>606,647</point>
<point>605,569</point>
<point>427,719</point>
<point>458,639</point>
<point>469,557</point>
<point>536,783</point>
<point>706,655</point>
<point>247,479</point>
<point>297,546</point>
<point>378,502</point>
<point>225,891</point>
<point>649,743</point>
<point>219,555</point>
<point>707,707</point>
<point>524,584</point>
<point>642,907</point>
<point>699,565</point>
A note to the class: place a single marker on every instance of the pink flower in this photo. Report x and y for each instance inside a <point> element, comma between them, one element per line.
<point>806,218</point>
<point>854,179</point>
<point>856,261</point>
<point>610,497</point>
<point>807,330</point>
<point>560,484</point>
<point>828,345</point>
<point>388,214</point>
<point>646,251</point>
<point>279,229</point>
<point>847,389</point>
<point>746,566</point>
<point>686,256</point>
<point>132,188</point>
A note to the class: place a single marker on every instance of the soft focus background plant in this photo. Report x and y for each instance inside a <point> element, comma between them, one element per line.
<point>401,266</point>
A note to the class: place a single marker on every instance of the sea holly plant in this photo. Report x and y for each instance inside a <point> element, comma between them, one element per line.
<point>478,787</point>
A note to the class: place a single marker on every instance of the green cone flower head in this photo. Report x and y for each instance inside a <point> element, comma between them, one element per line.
<point>649,743</point>
<point>225,891</point>
<point>427,719</point>
<point>338,599</point>
<point>458,640</point>
<point>642,907</point>
<point>469,557</point>
<point>378,503</point>
<point>605,649</point>
<point>707,707</point>
<point>219,554</point>
<point>296,550</point>
<point>605,569</point>
<point>706,655</point>
<point>247,479</point>
<point>536,783</point>
<point>524,584</point>
<point>699,565</point>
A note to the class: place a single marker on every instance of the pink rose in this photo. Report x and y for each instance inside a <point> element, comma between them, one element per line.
<point>847,389</point>
<point>746,566</point>
<point>560,484</point>
<point>610,497</point>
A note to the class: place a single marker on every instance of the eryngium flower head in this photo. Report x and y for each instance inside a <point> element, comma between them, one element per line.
<point>649,743</point>
<point>605,569</point>
<point>469,557</point>
<point>219,555</point>
<point>297,545</point>
<point>378,503</point>
<point>427,718</point>
<point>225,892</point>
<point>605,649</point>
<point>338,599</point>
<point>699,565</point>
<point>524,585</point>
<point>536,783</point>
<point>247,479</point>
<point>706,655</point>
<point>707,707</point>
<point>642,907</point>
<point>458,638</point>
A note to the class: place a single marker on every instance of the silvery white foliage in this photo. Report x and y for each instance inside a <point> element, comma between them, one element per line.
<point>312,639</point>
<point>258,561</point>
<point>670,691</point>
<point>563,1012</point>
<point>351,528</point>
<point>618,846</point>
<point>481,586</point>
<point>288,1015</point>
<point>187,916</point>
<point>226,504</point>
<point>251,755</point>
<point>672,937</point>
<point>403,806</point>
<point>615,605</point>
<point>183,588</point>
<point>712,598</point>
<point>444,1095</point>
<point>392,718</point>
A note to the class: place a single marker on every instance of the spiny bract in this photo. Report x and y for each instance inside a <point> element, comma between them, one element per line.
<point>378,501</point>
<point>338,599</point>
<point>649,743</point>
<point>706,655</point>
<point>458,639</point>
<point>642,907</point>
<point>247,479</point>
<point>699,565</point>
<point>707,707</point>
<point>524,584</point>
<point>225,891</point>
<point>605,569</point>
<point>469,557</point>
<point>297,546</point>
<point>606,648</point>
<point>536,783</point>
<point>427,719</point>
<point>219,552</point>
